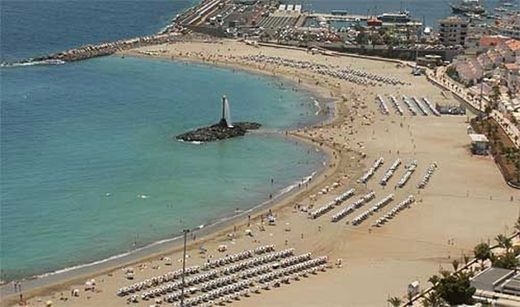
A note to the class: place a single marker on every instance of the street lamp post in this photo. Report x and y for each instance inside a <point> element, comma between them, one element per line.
<point>185,231</point>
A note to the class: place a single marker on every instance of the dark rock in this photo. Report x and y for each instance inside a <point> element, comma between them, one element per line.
<point>218,131</point>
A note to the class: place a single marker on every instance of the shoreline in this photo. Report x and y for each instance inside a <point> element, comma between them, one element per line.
<point>62,278</point>
<point>464,203</point>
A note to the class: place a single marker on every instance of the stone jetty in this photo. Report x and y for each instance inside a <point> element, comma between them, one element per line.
<point>103,49</point>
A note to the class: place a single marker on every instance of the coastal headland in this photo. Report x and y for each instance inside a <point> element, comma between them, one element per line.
<point>466,201</point>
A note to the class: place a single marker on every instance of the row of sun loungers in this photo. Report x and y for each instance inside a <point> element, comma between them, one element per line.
<point>409,105</point>
<point>431,107</point>
<point>350,208</point>
<point>390,172</point>
<point>329,206</point>
<point>396,105</point>
<point>417,102</point>
<point>427,176</point>
<point>366,176</point>
<point>420,106</point>
<point>204,277</point>
<point>261,272</point>
<point>155,281</point>
<point>382,105</point>
<point>409,171</point>
<point>348,74</point>
<point>365,215</point>
<point>176,275</point>
<point>211,264</point>
<point>395,210</point>
<point>233,292</point>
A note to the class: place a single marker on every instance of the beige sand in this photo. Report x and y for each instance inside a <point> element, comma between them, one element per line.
<point>466,200</point>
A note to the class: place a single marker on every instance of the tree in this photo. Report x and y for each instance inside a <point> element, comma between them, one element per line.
<point>482,251</point>
<point>504,242</point>
<point>455,289</point>
<point>517,225</point>
<point>395,301</point>
<point>433,299</point>
<point>505,261</point>
<point>434,280</point>
<point>455,264</point>
<point>466,259</point>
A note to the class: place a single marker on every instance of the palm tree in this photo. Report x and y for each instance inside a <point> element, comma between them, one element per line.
<point>504,242</point>
<point>517,225</point>
<point>432,300</point>
<point>466,259</point>
<point>434,280</point>
<point>455,264</point>
<point>482,251</point>
<point>395,301</point>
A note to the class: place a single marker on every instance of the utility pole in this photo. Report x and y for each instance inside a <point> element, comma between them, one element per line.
<point>185,231</point>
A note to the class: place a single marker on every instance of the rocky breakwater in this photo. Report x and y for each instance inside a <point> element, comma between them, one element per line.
<point>218,131</point>
<point>103,49</point>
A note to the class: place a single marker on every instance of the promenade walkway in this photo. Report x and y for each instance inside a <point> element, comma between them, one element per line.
<point>440,78</point>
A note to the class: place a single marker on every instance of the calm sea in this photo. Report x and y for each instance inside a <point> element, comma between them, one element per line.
<point>428,10</point>
<point>89,166</point>
<point>88,163</point>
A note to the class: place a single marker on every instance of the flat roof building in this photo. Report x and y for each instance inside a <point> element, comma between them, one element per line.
<point>453,31</point>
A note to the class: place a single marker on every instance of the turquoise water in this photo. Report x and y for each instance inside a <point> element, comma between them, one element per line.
<point>90,167</point>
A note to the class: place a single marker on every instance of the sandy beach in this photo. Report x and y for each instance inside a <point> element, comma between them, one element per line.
<point>465,202</point>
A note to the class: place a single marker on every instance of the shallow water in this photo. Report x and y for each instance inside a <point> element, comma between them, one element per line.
<point>90,167</point>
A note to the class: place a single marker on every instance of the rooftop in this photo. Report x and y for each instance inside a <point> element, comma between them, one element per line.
<point>478,138</point>
<point>488,279</point>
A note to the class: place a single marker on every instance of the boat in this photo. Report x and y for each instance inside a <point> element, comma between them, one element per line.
<point>339,12</point>
<point>467,6</point>
<point>400,17</point>
<point>374,22</point>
